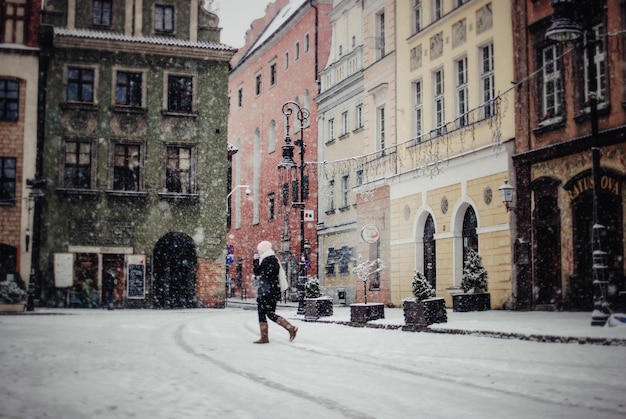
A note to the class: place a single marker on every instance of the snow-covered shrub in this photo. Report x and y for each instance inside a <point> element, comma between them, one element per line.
<point>312,287</point>
<point>474,278</point>
<point>11,292</point>
<point>421,287</point>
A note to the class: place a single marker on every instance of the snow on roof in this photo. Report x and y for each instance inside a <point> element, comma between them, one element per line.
<point>283,16</point>
<point>155,40</point>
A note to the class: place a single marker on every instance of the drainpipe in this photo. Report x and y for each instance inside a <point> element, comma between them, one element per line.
<point>46,36</point>
<point>317,12</point>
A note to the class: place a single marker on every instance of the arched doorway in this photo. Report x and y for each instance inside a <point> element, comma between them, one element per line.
<point>610,215</point>
<point>430,252</point>
<point>175,269</point>
<point>546,222</point>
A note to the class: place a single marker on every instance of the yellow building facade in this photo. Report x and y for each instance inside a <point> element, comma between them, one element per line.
<point>455,131</point>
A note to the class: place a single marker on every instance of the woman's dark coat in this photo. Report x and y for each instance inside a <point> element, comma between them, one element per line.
<point>267,271</point>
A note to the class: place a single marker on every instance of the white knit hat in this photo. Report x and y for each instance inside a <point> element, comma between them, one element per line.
<point>264,246</point>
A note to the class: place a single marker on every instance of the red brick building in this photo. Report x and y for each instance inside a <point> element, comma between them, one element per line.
<point>284,53</point>
<point>19,55</point>
<point>553,154</point>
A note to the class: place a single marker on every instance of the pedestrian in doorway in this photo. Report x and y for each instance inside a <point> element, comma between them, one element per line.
<point>266,267</point>
<point>108,286</point>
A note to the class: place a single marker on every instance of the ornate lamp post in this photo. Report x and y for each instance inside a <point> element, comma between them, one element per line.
<point>288,163</point>
<point>565,28</point>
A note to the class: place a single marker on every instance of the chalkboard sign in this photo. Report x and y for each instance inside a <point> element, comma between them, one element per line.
<point>136,282</point>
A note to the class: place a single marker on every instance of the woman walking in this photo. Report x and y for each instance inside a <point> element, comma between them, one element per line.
<point>266,267</point>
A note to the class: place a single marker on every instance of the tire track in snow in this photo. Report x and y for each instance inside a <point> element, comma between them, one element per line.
<point>438,375</point>
<point>274,385</point>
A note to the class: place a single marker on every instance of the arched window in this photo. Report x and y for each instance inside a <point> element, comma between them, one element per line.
<point>430,252</point>
<point>470,238</point>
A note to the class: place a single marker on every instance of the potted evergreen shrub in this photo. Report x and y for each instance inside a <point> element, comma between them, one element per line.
<point>425,309</point>
<point>13,296</point>
<point>315,305</point>
<point>474,285</point>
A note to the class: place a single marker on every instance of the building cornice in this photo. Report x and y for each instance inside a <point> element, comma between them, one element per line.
<point>114,42</point>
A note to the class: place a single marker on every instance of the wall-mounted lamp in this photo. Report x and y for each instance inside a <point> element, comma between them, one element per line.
<point>506,194</point>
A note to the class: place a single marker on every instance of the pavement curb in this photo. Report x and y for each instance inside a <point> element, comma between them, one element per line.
<point>483,333</point>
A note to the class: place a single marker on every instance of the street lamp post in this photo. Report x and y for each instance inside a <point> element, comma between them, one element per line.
<point>288,163</point>
<point>564,28</point>
<point>34,283</point>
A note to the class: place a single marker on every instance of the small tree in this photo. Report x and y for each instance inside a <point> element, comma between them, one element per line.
<point>364,269</point>
<point>312,287</point>
<point>474,274</point>
<point>421,287</point>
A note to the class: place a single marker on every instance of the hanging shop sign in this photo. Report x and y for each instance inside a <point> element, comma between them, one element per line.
<point>370,233</point>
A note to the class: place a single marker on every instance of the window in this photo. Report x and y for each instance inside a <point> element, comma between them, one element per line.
<point>359,176</point>
<point>9,100</point>
<point>439,108</point>
<point>307,43</point>
<point>297,51</point>
<point>285,193</point>
<point>359,116</point>
<point>380,122</point>
<point>258,84</point>
<point>462,105</point>
<point>126,167</point>
<point>80,84</point>
<point>286,60</point>
<point>380,35</point>
<point>417,16</point>
<point>330,204</point>
<point>331,129</point>
<point>8,177</point>
<point>295,191</point>
<point>345,254</point>
<point>163,18</point>
<point>272,74</point>
<point>240,97</point>
<point>344,123</point>
<point>487,81</point>
<point>459,3</point>
<point>179,93</point>
<point>101,12</point>
<point>271,140</point>
<point>330,262</point>
<point>552,87</point>
<point>178,170</point>
<point>437,9</point>
<point>600,65</point>
<point>77,172</point>
<point>271,206</point>
<point>13,18</point>
<point>417,110</point>
<point>128,89</point>
<point>345,191</point>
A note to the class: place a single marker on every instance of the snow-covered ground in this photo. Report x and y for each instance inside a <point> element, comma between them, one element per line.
<point>201,364</point>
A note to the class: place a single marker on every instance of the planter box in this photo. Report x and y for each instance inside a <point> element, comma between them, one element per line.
<point>315,308</point>
<point>471,302</point>
<point>362,313</point>
<point>12,307</point>
<point>425,312</point>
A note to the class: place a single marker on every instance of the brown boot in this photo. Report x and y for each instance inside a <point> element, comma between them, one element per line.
<point>264,333</point>
<point>290,328</point>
